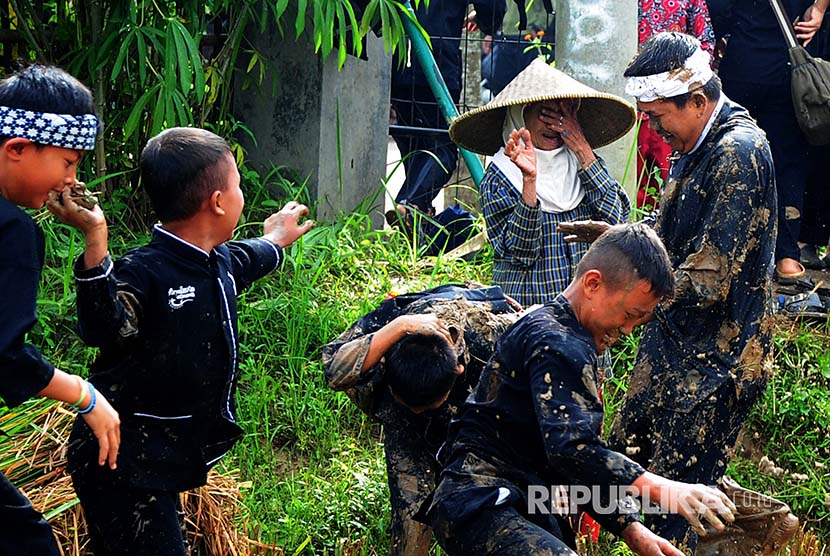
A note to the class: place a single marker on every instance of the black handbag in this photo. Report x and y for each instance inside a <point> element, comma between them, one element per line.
<point>810,84</point>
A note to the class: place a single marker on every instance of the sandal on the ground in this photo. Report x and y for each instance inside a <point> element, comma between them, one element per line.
<point>789,278</point>
<point>802,285</point>
<point>809,258</point>
<point>401,217</point>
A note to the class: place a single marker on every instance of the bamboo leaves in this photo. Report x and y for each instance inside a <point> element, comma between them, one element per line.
<point>190,61</point>
<point>173,59</point>
<point>155,64</point>
<point>336,25</point>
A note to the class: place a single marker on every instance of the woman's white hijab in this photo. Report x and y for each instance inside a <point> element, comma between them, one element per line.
<point>558,187</point>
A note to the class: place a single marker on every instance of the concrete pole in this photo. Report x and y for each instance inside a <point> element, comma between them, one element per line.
<point>595,41</point>
<point>467,192</point>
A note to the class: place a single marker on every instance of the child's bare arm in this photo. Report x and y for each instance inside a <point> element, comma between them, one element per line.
<point>90,222</point>
<point>102,418</point>
<point>283,228</point>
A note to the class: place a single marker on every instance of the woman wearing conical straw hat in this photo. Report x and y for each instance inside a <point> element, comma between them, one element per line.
<point>542,129</point>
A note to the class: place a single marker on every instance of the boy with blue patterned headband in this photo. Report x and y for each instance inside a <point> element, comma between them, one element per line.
<point>165,319</point>
<point>46,124</point>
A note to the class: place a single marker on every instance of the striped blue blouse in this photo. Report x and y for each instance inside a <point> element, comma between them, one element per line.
<point>532,261</point>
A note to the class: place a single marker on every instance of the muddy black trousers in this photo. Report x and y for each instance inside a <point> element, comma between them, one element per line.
<point>772,106</point>
<point>411,472</point>
<point>428,159</point>
<point>692,446</point>
<point>23,531</point>
<point>500,530</point>
<point>125,521</point>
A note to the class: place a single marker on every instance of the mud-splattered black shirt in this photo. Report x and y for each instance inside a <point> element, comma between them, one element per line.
<point>481,315</point>
<point>534,419</point>
<point>718,223</point>
<point>164,317</point>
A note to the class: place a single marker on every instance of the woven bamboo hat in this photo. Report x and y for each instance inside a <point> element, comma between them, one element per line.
<point>604,117</point>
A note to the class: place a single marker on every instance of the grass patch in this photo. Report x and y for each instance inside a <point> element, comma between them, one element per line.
<point>311,466</point>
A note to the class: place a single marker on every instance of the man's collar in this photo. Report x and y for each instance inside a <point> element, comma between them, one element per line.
<point>709,123</point>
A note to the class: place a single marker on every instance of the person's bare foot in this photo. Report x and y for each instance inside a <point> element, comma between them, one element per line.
<point>789,268</point>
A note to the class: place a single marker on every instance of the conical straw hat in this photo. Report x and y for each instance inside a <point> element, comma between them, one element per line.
<point>604,117</point>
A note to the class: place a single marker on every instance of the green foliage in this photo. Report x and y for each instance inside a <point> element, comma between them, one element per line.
<point>158,64</point>
<point>790,426</point>
<point>313,462</point>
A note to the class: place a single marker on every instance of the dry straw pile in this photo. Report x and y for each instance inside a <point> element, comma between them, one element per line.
<point>33,457</point>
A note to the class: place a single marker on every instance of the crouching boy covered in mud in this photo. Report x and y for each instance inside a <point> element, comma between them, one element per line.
<point>534,421</point>
<point>409,364</point>
<point>165,319</point>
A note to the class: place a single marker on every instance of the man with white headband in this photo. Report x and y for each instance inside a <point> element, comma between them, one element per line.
<point>704,360</point>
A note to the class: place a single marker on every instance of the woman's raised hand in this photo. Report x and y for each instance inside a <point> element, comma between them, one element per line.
<point>519,149</point>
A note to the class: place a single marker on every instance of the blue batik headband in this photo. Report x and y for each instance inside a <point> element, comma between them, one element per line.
<point>57,130</point>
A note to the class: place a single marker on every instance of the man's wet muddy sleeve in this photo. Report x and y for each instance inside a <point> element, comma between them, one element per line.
<point>569,413</point>
<point>343,360</point>
<point>726,237</point>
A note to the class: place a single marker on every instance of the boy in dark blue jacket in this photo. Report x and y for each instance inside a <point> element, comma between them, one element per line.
<point>47,122</point>
<point>164,317</point>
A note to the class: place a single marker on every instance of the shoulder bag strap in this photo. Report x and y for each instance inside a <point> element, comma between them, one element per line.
<point>783,22</point>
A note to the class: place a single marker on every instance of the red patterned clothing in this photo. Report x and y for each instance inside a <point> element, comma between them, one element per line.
<point>652,162</point>
<point>656,16</point>
<point>685,16</point>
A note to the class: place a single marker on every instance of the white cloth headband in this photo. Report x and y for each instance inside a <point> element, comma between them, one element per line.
<point>57,130</point>
<point>695,73</point>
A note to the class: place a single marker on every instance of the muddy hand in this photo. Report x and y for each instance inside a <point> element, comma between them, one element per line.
<point>585,231</point>
<point>698,503</point>
<point>427,325</point>
<point>66,208</point>
<point>83,196</point>
<point>644,542</point>
<point>283,228</point>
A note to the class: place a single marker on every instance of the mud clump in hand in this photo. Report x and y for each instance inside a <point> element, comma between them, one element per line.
<point>83,196</point>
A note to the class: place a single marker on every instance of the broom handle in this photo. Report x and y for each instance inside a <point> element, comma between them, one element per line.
<point>784,23</point>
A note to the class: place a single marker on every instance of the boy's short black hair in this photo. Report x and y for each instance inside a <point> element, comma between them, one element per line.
<point>180,168</point>
<point>46,89</point>
<point>627,253</point>
<point>668,51</point>
<point>421,369</point>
